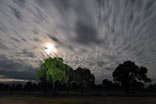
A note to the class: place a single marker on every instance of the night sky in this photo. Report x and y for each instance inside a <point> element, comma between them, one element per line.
<point>96,34</point>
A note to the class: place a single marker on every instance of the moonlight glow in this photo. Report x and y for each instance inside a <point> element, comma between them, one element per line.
<point>50,48</point>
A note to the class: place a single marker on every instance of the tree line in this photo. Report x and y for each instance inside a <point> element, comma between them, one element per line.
<point>54,75</point>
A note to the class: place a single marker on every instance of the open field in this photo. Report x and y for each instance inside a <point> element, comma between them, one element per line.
<point>77,100</point>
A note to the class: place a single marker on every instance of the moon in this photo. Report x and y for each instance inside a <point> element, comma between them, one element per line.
<point>50,48</point>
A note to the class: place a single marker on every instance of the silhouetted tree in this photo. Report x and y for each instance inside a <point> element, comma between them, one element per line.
<point>5,87</point>
<point>54,70</point>
<point>137,85</point>
<point>107,84</point>
<point>151,88</point>
<point>28,87</point>
<point>71,78</point>
<point>116,86</point>
<point>128,73</point>
<point>18,87</point>
<point>84,77</point>
<point>12,88</point>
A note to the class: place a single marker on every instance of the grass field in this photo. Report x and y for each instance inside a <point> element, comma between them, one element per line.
<point>77,100</point>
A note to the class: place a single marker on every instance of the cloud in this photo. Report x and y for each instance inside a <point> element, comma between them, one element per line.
<point>86,34</point>
<point>54,38</point>
<point>16,70</point>
<point>20,2</point>
<point>97,34</point>
<point>28,54</point>
<point>3,46</point>
<point>23,75</point>
<point>16,13</point>
<point>100,63</point>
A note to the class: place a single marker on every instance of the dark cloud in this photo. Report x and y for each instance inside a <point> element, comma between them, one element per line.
<point>8,64</point>
<point>12,69</point>
<point>70,47</point>
<point>40,15</point>
<point>53,38</point>
<point>20,3</point>
<point>27,53</point>
<point>86,34</point>
<point>24,75</point>
<point>16,40</point>
<point>62,4</point>
<point>109,68</point>
<point>35,32</point>
<point>3,46</point>
<point>149,4</point>
<point>3,28</point>
<point>16,13</point>
<point>101,63</point>
<point>36,39</point>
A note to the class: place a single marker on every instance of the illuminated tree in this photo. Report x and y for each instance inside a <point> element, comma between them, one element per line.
<point>54,70</point>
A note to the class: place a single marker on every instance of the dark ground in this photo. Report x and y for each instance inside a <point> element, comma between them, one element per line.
<point>77,100</point>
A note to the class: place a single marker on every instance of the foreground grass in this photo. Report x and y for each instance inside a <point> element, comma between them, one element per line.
<point>76,100</point>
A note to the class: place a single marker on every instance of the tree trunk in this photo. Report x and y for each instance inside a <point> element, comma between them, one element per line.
<point>68,89</point>
<point>53,89</point>
<point>126,89</point>
<point>82,90</point>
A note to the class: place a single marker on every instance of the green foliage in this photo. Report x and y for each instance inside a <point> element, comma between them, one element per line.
<point>41,74</point>
<point>53,70</point>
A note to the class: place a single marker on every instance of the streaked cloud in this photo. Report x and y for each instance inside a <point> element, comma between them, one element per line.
<point>97,34</point>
